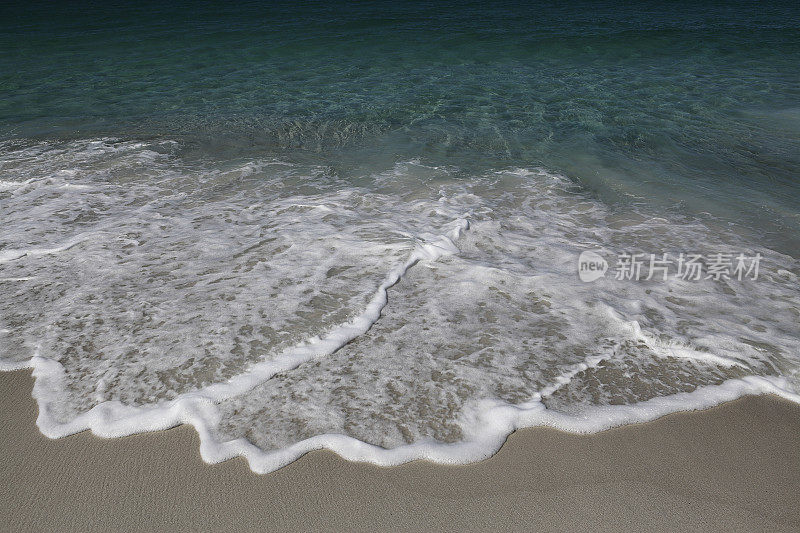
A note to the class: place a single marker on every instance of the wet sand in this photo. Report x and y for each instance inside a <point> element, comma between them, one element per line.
<point>733,467</point>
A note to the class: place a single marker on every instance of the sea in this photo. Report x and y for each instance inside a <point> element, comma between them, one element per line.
<point>396,230</point>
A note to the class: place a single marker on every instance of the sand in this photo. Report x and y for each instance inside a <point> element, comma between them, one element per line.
<point>733,467</point>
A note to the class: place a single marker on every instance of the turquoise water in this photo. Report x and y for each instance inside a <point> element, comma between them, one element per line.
<point>357,226</point>
<point>691,107</point>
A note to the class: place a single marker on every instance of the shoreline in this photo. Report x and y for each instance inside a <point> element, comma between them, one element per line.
<point>735,466</point>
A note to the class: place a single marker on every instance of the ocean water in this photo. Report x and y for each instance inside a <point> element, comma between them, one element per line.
<point>357,226</point>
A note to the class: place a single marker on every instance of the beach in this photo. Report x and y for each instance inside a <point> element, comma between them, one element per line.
<point>735,467</point>
<point>400,266</point>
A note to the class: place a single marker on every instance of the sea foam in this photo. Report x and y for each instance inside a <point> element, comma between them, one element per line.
<point>409,313</point>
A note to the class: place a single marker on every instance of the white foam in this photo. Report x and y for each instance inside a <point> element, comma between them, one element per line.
<point>11,255</point>
<point>419,315</point>
<point>487,425</point>
<point>430,249</point>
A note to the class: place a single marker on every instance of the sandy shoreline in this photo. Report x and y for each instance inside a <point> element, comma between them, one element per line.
<point>735,467</point>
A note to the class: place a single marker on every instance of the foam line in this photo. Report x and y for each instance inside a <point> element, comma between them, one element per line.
<point>114,419</point>
<point>430,249</point>
<point>571,372</point>
<point>11,255</point>
<point>488,427</point>
<point>674,349</point>
<point>493,425</point>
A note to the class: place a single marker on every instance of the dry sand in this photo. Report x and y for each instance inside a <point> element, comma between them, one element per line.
<point>734,467</point>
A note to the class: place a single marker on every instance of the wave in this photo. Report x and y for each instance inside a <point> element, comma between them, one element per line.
<point>407,313</point>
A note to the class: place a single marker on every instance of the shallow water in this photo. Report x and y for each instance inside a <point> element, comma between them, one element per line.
<point>359,228</point>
